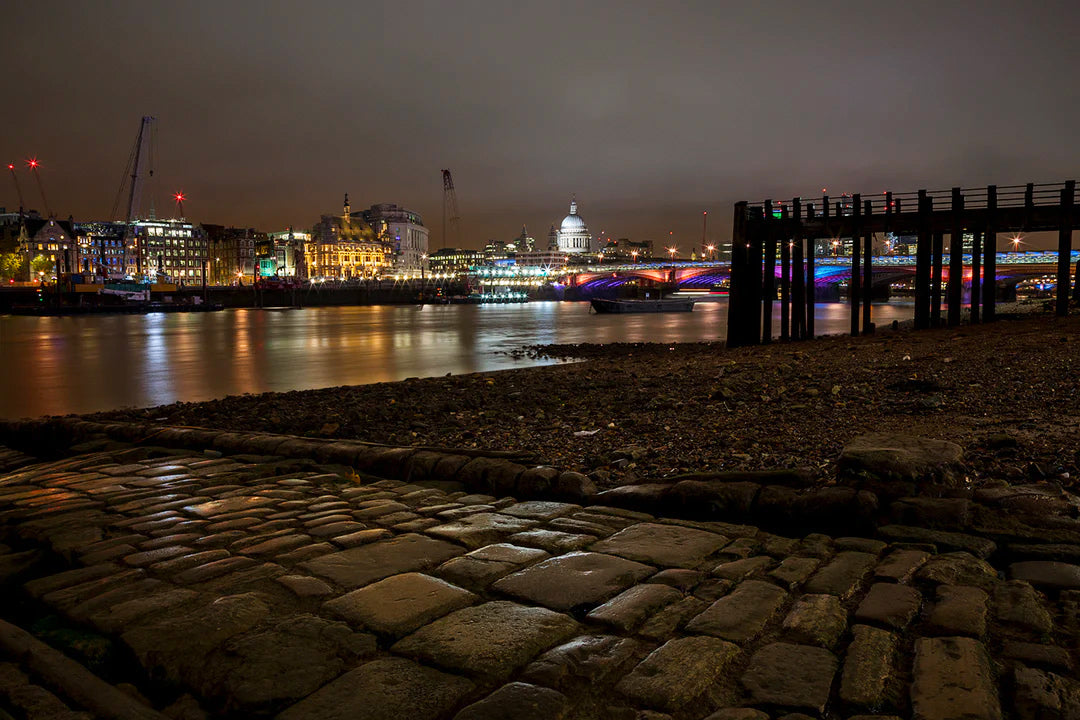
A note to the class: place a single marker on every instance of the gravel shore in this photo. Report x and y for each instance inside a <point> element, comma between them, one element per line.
<point>1007,392</point>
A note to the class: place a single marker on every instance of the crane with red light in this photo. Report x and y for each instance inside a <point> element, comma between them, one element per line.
<point>18,188</point>
<point>450,210</point>
<point>33,164</point>
<point>179,197</point>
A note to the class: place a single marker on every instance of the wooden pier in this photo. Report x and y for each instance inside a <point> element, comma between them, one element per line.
<point>759,229</point>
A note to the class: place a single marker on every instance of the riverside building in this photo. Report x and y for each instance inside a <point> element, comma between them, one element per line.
<point>573,235</point>
<point>404,230</point>
<point>346,247</point>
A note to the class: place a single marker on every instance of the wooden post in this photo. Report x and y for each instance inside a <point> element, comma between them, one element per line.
<point>935,278</point>
<point>752,283</point>
<point>1065,248</point>
<point>811,282</point>
<point>768,280</point>
<point>956,257</point>
<point>868,279</point>
<point>785,275</point>
<point>736,289</point>
<point>976,272</point>
<point>922,264</point>
<point>856,279</point>
<point>798,287</point>
<point>989,283</point>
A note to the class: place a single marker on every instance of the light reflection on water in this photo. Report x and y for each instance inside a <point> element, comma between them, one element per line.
<point>51,366</point>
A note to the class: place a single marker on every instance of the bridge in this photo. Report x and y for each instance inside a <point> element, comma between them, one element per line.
<point>778,240</point>
<point>832,271</point>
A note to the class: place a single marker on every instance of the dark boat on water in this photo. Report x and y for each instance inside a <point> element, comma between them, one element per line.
<point>602,305</point>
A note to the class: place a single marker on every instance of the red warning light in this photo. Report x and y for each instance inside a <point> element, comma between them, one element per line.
<point>33,163</point>
<point>180,197</point>
<point>11,166</point>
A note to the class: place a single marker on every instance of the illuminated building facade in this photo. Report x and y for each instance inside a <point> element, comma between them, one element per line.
<point>231,251</point>
<point>167,250</point>
<point>55,240</point>
<point>404,230</point>
<point>454,260</point>
<point>346,247</point>
<point>573,234</point>
<point>288,252</point>
<point>101,248</point>
<point>627,250</point>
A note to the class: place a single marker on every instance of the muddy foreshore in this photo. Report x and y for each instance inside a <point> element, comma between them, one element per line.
<point>1008,393</point>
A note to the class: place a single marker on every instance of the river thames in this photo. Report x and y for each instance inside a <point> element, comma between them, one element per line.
<point>61,365</point>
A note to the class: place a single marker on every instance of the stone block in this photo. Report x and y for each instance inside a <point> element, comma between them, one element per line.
<point>1047,574</point>
<point>627,610</point>
<point>678,672</point>
<point>843,576</point>
<point>399,604</point>
<point>365,564</point>
<point>518,701</point>
<point>953,678</point>
<point>901,464</point>
<point>739,569</point>
<point>951,541</point>
<point>793,571</point>
<point>1018,604</point>
<point>582,663</point>
<point>481,529</point>
<point>869,667</point>
<point>792,676</point>
<point>890,605</point>
<point>663,545</point>
<point>815,620</point>
<point>959,610</point>
<point>958,568</point>
<point>573,580</point>
<point>899,566</point>
<point>384,689</point>
<point>741,615</point>
<point>491,640</point>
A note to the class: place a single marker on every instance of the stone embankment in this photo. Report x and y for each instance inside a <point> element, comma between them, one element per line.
<point>206,574</point>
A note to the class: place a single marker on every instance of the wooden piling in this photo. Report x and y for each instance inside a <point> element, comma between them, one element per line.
<point>1065,248</point>
<point>935,278</point>
<point>768,269</point>
<point>989,283</point>
<point>956,258</point>
<point>753,278</point>
<point>856,280</point>
<point>785,276</point>
<point>736,308</point>
<point>811,283</point>
<point>976,272</point>
<point>798,288</point>
<point>922,264</point>
<point>868,280</point>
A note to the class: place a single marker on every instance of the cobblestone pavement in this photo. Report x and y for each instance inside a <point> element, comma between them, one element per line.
<point>239,586</point>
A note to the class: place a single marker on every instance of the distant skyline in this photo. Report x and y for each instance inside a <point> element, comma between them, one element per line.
<point>269,112</point>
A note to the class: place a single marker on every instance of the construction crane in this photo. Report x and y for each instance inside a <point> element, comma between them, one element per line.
<point>450,210</point>
<point>133,170</point>
<point>33,164</point>
<point>180,197</point>
<point>18,189</point>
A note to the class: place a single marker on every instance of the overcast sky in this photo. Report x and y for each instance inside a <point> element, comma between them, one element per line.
<point>268,112</point>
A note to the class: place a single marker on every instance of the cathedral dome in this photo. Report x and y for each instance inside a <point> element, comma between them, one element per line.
<point>573,223</point>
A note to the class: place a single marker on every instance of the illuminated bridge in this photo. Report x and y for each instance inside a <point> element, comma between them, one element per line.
<point>1013,267</point>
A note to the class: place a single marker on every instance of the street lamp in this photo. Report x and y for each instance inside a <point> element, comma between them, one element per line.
<point>634,254</point>
<point>711,249</point>
<point>671,251</point>
<point>835,247</point>
<point>1016,243</point>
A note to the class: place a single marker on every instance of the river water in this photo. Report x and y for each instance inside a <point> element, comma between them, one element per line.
<point>53,366</point>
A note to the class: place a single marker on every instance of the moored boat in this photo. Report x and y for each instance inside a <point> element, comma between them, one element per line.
<point>602,305</point>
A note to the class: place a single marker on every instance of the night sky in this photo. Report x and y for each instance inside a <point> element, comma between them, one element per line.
<point>268,112</point>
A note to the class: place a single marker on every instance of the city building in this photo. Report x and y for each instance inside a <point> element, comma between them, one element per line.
<point>54,240</point>
<point>542,258</point>
<point>573,234</point>
<point>522,243</point>
<point>496,251</point>
<point>626,250</point>
<point>101,248</point>
<point>167,250</point>
<point>404,229</point>
<point>347,247</point>
<point>232,253</point>
<point>454,260</point>
<point>288,252</point>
